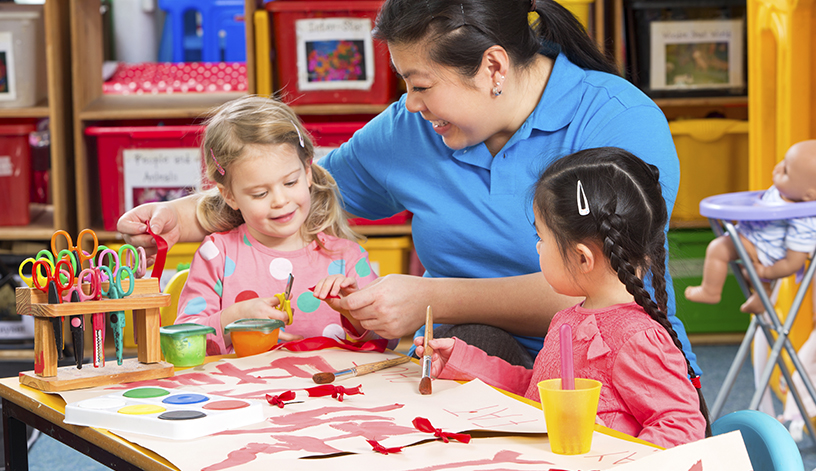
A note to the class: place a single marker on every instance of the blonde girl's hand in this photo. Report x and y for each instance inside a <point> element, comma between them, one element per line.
<point>442,349</point>
<point>334,286</point>
<point>256,308</point>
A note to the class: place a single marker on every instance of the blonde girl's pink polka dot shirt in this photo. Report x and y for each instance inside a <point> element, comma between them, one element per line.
<point>230,267</point>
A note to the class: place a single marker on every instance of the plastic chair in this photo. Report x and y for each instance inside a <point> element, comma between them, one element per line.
<point>721,211</point>
<point>217,16</point>
<point>770,446</point>
<point>173,288</point>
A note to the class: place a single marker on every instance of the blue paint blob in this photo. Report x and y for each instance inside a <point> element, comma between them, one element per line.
<point>185,399</point>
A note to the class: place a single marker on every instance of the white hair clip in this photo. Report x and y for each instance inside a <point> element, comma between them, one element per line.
<point>583,204</point>
<point>300,136</point>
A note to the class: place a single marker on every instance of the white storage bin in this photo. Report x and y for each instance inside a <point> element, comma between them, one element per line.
<point>22,56</point>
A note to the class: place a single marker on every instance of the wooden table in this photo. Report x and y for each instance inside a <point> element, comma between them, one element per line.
<point>23,406</point>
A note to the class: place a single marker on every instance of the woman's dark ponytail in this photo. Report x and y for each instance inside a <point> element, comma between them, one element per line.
<point>557,25</point>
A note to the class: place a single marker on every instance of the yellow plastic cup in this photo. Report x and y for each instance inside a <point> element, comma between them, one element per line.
<point>570,414</point>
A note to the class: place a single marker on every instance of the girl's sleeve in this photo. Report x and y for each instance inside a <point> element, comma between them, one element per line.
<point>200,301</point>
<point>650,375</point>
<point>468,362</point>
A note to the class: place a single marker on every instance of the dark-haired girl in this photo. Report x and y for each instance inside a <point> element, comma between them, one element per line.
<point>599,215</point>
<point>492,99</point>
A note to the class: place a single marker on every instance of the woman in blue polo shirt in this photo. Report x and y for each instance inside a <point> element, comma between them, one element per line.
<point>496,91</point>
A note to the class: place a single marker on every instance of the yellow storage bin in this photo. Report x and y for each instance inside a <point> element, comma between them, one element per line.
<point>388,254</point>
<point>713,157</point>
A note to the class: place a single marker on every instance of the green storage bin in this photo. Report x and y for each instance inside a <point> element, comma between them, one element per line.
<point>687,250</point>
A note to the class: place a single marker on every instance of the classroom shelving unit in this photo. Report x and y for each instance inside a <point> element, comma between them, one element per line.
<point>57,107</point>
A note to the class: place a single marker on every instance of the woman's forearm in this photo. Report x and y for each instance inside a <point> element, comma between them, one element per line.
<point>190,230</point>
<point>522,305</point>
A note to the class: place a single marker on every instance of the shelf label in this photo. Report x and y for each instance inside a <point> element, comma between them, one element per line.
<point>6,166</point>
<point>152,175</point>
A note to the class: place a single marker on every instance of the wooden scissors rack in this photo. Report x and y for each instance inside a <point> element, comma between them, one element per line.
<point>145,302</point>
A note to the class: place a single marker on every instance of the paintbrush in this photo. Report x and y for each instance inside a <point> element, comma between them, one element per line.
<point>359,370</point>
<point>425,382</point>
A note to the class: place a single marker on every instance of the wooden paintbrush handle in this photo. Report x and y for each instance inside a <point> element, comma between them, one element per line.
<point>379,365</point>
<point>428,332</point>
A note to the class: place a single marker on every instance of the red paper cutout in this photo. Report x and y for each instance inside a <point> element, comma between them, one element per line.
<point>320,343</point>
<point>334,391</point>
<point>381,449</point>
<point>424,425</point>
<point>161,255</point>
<point>280,399</point>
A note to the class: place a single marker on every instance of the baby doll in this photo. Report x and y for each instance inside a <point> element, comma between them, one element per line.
<point>777,248</point>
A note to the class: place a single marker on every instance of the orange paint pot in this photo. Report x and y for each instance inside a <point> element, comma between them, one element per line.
<point>253,336</point>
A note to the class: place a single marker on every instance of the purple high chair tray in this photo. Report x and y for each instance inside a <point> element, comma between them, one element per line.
<point>746,206</point>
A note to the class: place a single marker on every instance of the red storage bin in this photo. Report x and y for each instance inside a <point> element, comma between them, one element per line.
<point>325,53</point>
<point>157,141</point>
<point>327,136</point>
<point>15,174</point>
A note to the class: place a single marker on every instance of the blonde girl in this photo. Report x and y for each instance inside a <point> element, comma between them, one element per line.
<point>272,213</point>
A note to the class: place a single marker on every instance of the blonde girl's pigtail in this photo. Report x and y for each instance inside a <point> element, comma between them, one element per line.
<point>327,214</point>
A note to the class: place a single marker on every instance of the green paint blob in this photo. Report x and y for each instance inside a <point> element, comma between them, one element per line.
<point>144,393</point>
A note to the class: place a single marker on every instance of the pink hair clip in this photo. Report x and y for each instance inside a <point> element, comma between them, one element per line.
<point>217,165</point>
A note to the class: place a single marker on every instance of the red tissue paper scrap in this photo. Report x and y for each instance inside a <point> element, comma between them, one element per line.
<point>424,425</point>
<point>182,77</point>
<point>336,392</point>
<point>280,399</point>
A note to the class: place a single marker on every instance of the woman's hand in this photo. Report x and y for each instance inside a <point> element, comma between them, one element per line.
<point>164,221</point>
<point>392,306</point>
<point>442,349</point>
<point>256,308</point>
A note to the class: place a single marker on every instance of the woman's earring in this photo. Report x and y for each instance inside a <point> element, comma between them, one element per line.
<point>496,90</point>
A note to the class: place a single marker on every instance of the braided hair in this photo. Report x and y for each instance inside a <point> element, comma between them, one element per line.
<point>627,218</point>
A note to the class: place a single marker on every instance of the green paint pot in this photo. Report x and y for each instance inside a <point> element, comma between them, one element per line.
<point>185,345</point>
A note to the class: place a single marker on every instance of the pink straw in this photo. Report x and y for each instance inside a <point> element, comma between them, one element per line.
<point>567,365</point>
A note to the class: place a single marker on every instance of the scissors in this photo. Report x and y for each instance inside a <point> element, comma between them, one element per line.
<point>115,291</point>
<point>79,255</point>
<point>97,319</point>
<point>76,295</point>
<point>42,254</point>
<point>54,289</point>
<point>283,299</point>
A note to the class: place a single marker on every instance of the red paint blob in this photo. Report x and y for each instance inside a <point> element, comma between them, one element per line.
<point>244,295</point>
<point>226,405</point>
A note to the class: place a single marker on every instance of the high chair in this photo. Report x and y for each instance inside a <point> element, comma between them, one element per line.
<point>722,211</point>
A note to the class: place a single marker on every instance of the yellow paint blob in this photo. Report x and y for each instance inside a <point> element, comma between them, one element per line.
<point>141,409</point>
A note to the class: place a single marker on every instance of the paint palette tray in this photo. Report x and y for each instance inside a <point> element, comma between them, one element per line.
<point>164,413</point>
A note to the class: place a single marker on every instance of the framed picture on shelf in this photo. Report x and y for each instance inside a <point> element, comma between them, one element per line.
<point>697,55</point>
<point>334,54</point>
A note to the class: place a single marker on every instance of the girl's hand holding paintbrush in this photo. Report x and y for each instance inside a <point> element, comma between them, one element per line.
<point>442,349</point>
